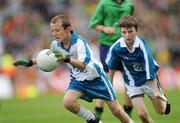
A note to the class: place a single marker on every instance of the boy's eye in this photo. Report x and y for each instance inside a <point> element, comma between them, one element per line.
<point>123,32</point>
<point>130,31</point>
<point>57,30</point>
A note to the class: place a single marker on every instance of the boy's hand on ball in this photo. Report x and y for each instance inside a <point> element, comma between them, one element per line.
<point>61,55</point>
<point>23,62</point>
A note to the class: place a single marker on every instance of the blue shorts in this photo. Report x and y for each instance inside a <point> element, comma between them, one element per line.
<point>103,54</point>
<point>98,88</point>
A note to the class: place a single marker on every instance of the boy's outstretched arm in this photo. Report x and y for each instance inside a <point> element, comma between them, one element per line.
<point>25,62</point>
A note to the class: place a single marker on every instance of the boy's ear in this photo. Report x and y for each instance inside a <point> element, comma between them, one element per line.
<point>68,29</point>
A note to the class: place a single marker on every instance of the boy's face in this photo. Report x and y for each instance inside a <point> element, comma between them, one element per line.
<point>58,32</point>
<point>129,34</point>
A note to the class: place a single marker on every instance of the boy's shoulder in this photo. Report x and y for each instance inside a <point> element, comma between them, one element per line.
<point>117,45</point>
<point>53,43</point>
<point>143,40</point>
<point>120,42</point>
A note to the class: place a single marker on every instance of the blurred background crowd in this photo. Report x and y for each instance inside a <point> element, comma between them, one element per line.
<point>24,31</point>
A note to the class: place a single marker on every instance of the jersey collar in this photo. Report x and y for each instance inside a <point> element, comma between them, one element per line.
<point>135,44</point>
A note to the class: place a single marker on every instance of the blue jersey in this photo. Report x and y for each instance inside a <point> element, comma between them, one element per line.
<point>138,64</point>
<point>79,49</point>
<point>92,81</point>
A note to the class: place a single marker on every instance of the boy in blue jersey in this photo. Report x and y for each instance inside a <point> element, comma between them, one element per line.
<point>88,80</point>
<point>139,69</point>
<point>105,20</point>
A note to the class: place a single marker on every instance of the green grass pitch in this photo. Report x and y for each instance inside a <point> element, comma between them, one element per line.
<point>49,109</point>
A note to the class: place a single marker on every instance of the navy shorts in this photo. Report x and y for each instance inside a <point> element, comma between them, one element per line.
<point>103,54</point>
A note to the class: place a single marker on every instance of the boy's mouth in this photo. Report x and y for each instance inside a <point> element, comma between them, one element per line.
<point>58,39</point>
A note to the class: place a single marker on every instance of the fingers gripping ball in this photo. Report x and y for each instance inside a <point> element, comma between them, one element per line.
<point>46,60</point>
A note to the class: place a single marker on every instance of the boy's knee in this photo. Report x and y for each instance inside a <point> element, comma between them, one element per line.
<point>67,104</point>
<point>116,111</point>
<point>165,110</point>
<point>143,115</point>
<point>160,111</point>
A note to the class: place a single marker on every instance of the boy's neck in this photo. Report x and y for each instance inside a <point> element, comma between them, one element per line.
<point>66,43</point>
<point>130,45</point>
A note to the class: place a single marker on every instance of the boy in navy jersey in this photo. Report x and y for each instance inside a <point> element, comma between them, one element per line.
<point>139,69</point>
<point>105,20</point>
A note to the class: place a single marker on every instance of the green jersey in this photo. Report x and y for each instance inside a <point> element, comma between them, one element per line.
<point>108,13</point>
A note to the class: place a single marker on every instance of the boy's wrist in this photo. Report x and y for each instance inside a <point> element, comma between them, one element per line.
<point>30,62</point>
<point>102,29</point>
<point>67,59</point>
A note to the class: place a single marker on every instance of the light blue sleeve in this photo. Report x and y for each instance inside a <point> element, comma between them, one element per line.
<point>151,66</point>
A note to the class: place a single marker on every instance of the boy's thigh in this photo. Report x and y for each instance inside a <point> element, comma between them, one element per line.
<point>138,103</point>
<point>114,104</point>
<point>72,96</point>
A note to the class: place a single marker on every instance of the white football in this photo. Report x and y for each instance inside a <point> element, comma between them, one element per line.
<point>46,60</point>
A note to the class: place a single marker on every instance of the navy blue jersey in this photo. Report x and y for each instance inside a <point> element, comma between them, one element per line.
<point>138,64</point>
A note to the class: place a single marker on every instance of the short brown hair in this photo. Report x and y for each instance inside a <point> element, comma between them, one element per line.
<point>64,19</point>
<point>128,21</point>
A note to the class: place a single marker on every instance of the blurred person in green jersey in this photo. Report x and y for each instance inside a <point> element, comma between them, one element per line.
<point>105,21</point>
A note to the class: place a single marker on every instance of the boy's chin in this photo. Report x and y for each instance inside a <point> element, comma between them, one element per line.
<point>58,40</point>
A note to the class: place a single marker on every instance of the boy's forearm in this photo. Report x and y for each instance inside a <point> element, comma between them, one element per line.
<point>77,64</point>
<point>99,28</point>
